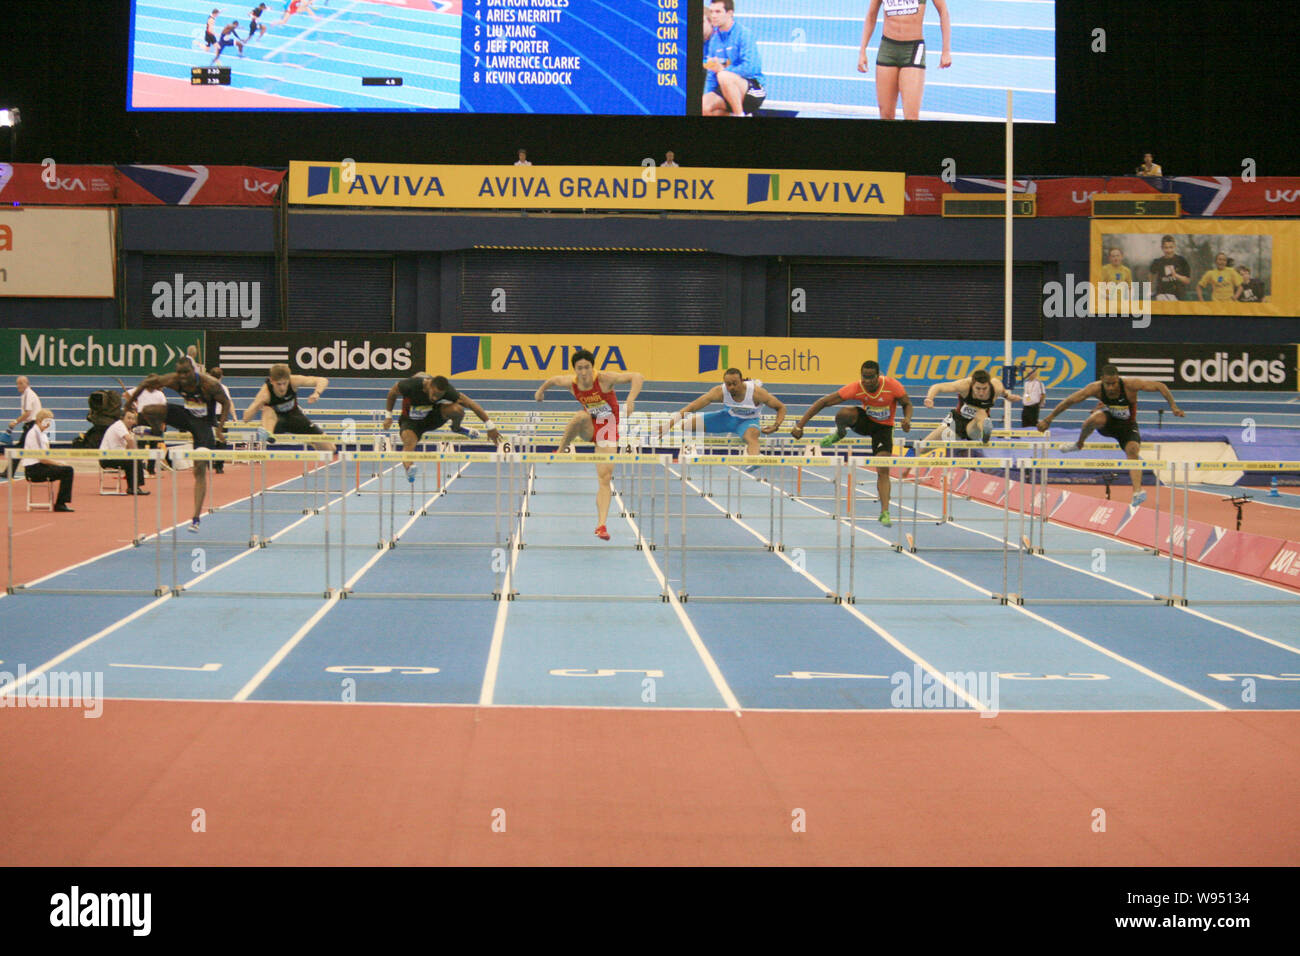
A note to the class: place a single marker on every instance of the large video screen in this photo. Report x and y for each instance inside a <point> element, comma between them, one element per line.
<point>604,57</point>
<point>871,59</point>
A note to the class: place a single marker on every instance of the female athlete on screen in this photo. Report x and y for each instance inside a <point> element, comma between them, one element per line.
<point>900,63</point>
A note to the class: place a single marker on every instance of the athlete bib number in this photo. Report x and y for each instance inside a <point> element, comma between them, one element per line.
<point>878,413</point>
<point>420,411</point>
<point>197,409</point>
<point>1118,411</point>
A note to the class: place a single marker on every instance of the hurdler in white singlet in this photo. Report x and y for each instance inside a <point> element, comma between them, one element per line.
<point>745,408</point>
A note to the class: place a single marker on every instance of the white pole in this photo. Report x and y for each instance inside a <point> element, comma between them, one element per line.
<point>1006,345</point>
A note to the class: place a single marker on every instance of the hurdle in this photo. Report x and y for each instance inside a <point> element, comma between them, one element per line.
<point>1277,561</point>
<point>137,538</point>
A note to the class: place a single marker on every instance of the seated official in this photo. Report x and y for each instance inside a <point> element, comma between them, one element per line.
<point>118,437</point>
<point>40,467</point>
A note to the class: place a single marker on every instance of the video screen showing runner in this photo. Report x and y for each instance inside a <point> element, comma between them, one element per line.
<point>470,56</point>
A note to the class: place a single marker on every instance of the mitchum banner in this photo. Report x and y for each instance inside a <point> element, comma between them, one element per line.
<point>92,352</point>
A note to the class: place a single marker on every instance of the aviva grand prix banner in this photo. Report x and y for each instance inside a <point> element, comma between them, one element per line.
<point>596,187</point>
<point>661,358</point>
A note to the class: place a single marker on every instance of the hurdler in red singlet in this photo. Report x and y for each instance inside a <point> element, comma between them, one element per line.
<point>598,421</point>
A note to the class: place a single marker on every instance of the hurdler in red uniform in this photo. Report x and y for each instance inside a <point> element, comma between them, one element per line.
<point>877,394</point>
<point>598,421</point>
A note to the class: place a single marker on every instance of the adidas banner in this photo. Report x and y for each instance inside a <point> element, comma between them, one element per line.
<point>364,355</point>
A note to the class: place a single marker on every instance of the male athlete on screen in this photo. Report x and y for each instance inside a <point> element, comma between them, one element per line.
<point>229,37</point>
<point>1115,416</point>
<point>298,6</point>
<point>900,62</point>
<point>733,85</point>
<point>598,421</point>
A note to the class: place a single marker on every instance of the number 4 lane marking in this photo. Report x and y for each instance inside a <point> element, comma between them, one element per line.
<point>172,667</point>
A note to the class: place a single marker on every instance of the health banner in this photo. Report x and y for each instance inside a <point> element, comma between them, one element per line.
<point>363,355</point>
<point>920,363</point>
<point>596,187</point>
<point>660,358</point>
<point>57,253</point>
<point>128,354</point>
<point>1240,267</point>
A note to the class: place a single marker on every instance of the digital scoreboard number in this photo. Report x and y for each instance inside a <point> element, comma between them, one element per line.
<point>210,76</point>
<point>1136,206</point>
<point>988,206</point>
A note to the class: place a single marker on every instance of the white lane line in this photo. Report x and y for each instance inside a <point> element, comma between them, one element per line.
<point>852,609</point>
<point>488,690</point>
<point>710,665</point>
<point>1129,587</point>
<point>158,534</point>
<point>278,657</point>
<point>158,602</point>
<point>1037,617</point>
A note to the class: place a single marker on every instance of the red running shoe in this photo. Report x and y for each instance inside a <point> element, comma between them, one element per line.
<point>602,534</point>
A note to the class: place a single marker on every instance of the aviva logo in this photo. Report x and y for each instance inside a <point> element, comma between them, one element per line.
<point>322,179</point>
<point>713,358</point>
<point>470,353</point>
<point>762,187</point>
<point>473,353</point>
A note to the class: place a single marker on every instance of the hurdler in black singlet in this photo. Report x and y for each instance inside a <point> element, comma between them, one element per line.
<point>197,416</point>
<point>1121,416</point>
<point>289,416</point>
<point>967,408</point>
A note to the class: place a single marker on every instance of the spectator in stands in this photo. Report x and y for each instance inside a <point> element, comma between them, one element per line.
<point>523,158</point>
<point>1115,270</point>
<point>1149,166</point>
<point>900,60</point>
<point>1033,394</point>
<point>149,396</point>
<point>1250,290</point>
<point>1170,274</point>
<point>29,403</point>
<point>193,353</point>
<point>708,25</point>
<point>668,159</point>
<point>38,467</point>
<point>1222,281</point>
<point>734,83</point>
<point>119,436</point>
